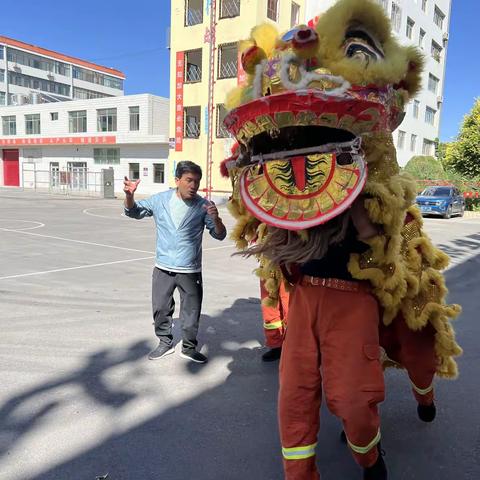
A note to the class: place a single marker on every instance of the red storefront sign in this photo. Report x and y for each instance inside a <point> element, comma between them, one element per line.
<point>101,140</point>
<point>179,74</point>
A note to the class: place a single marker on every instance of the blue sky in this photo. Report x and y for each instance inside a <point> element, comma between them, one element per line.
<point>133,40</point>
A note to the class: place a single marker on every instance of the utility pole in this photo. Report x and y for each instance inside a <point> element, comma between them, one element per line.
<point>211,95</point>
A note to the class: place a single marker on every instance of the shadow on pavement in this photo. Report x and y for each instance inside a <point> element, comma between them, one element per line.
<point>229,432</point>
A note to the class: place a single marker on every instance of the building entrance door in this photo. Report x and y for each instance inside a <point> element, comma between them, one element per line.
<point>11,177</point>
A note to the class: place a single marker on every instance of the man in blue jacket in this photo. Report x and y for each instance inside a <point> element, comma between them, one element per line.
<point>180,217</point>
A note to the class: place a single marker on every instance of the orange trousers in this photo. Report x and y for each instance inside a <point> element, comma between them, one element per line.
<point>274,318</point>
<point>415,351</point>
<point>332,341</point>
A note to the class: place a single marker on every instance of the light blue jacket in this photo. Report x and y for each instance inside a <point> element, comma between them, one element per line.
<point>177,249</point>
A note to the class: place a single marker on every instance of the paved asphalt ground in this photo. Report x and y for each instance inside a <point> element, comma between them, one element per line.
<point>79,399</point>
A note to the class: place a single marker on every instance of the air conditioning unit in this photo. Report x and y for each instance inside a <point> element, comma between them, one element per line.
<point>439,99</point>
<point>445,37</point>
<point>50,76</point>
<point>23,100</point>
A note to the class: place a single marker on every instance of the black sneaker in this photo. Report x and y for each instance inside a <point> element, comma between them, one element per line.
<point>161,351</point>
<point>378,471</point>
<point>427,413</point>
<point>272,355</point>
<point>194,356</point>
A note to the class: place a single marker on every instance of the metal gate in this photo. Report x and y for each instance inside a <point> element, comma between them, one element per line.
<point>76,179</point>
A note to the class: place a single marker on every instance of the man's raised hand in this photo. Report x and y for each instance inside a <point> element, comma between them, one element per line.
<point>129,186</point>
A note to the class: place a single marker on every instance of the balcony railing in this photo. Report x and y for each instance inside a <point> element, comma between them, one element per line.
<point>193,73</point>
<point>192,129</point>
<point>193,17</point>
<point>229,8</point>
<point>228,69</point>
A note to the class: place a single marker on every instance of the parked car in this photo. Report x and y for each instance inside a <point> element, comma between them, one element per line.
<point>444,201</point>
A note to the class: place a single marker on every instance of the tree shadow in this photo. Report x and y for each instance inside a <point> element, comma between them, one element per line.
<point>16,420</point>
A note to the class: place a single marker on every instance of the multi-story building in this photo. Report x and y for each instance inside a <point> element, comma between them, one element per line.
<point>424,23</point>
<point>205,66</point>
<point>30,74</point>
<point>63,145</point>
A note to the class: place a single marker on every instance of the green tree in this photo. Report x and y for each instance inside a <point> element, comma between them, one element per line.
<point>425,168</point>
<point>464,155</point>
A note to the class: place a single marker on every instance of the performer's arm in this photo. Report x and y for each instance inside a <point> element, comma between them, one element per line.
<point>129,188</point>
<point>214,222</point>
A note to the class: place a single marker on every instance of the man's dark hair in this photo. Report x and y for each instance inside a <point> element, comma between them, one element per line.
<point>186,166</point>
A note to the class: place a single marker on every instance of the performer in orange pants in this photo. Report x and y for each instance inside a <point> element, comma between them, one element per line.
<point>333,342</point>
<point>415,351</point>
<point>274,322</point>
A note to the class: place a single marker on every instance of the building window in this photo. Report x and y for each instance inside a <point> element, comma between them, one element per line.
<point>83,94</point>
<point>53,116</point>
<point>383,4</point>
<point>227,60</point>
<point>133,171</point>
<point>410,25</point>
<point>416,108</point>
<point>421,39</point>
<point>193,12</point>
<point>2,98</point>
<point>401,139</point>
<point>35,83</point>
<point>32,124</point>
<point>2,74</point>
<point>433,82</point>
<point>396,17</point>
<point>134,118</point>
<point>424,5</point>
<point>106,156</point>
<point>413,142</point>
<point>97,77</point>
<point>430,116</point>
<point>229,8</point>
<point>222,132</point>
<point>77,121</point>
<point>272,10</point>
<point>40,63</point>
<point>9,125</point>
<point>428,147</point>
<point>438,17</point>
<point>107,120</point>
<point>192,122</point>
<point>193,66</point>
<point>436,51</point>
<point>158,173</point>
<point>295,14</point>
<point>1,52</point>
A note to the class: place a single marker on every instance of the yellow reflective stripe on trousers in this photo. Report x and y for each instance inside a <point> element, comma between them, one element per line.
<point>422,391</point>
<point>273,325</point>
<point>299,453</point>
<point>364,450</point>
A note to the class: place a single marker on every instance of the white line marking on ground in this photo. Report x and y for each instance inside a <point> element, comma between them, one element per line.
<point>77,241</point>
<point>39,224</point>
<point>218,248</point>
<point>74,268</point>
<point>88,210</point>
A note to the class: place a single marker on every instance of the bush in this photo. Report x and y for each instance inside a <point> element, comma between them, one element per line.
<point>425,168</point>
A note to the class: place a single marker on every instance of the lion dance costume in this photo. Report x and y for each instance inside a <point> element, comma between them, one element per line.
<point>314,130</point>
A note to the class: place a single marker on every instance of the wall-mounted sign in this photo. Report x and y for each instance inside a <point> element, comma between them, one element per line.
<point>103,140</point>
<point>145,171</point>
<point>180,68</point>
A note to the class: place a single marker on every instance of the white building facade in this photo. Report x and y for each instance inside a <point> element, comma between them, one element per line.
<point>66,145</point>
<point>31,74</point>
<point>424,23</point>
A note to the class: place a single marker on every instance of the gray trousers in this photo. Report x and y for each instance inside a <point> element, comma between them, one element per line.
<point>190,288</point>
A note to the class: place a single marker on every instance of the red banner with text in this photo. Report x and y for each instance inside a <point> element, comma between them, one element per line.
<point>179,75</point>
